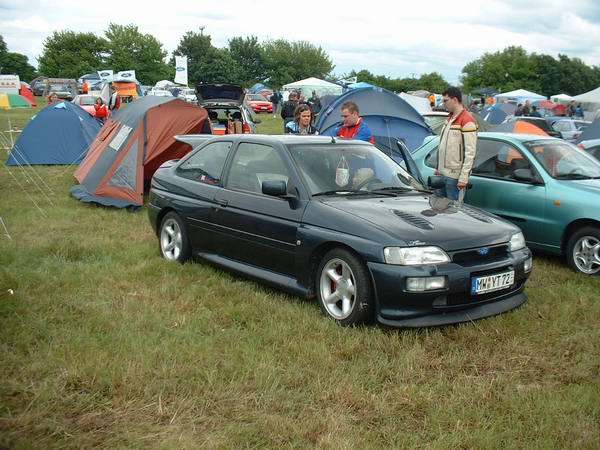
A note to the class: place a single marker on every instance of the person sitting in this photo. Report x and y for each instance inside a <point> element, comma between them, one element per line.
<point>302,123</point>
<point>352,125</point>
<point>101,110</point>
<point>53,97</point>
<point>534,112</point>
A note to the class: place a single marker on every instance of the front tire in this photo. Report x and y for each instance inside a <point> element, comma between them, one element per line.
<point>173,240</point>
<point>344,288</point>
<point>583,250</point>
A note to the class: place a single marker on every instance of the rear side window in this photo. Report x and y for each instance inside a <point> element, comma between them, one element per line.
<point>206,165</point>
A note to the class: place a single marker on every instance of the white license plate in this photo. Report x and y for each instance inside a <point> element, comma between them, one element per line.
<point>490,283</point>
<point>263,107</point>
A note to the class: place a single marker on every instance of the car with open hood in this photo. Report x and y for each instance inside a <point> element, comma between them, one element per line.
<point>339,221</point>
<point>226,109</point>
<point>546,186</point>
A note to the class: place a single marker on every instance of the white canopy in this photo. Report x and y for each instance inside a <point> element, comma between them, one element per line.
<point>321,87</point>
<point>561,98</point>
<point>588,97</point>
<point>164,84</point>
<point>419,103</point>
<point>520,96</point>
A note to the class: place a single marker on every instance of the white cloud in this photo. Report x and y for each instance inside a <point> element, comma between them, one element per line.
<point>395,39</point>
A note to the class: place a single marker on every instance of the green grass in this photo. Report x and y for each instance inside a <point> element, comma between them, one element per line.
<point>105,344</point>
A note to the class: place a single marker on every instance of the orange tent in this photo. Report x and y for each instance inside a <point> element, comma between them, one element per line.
<point>521,127</point>
<point>131,145</point>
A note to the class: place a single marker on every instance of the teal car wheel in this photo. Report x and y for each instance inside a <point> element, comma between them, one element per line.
<point>583,251</point>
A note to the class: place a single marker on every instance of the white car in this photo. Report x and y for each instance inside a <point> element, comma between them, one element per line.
<point>189,95</point>
<point>159,92</point>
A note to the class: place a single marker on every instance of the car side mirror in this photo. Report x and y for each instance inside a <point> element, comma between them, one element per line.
<point>276,188</point>
<point>525,175</point>
<point>436,182</point>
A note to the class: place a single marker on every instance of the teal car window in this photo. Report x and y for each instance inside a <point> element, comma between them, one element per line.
<point>564,161</point>
<point>498,159</point>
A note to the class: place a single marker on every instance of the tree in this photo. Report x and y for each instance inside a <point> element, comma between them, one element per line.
<point>287,61</point>
<point>67,54</point>
<point>207,64</point>
<point>510,69</point>
<point>129,49</point>
<point>433,82</point>
<point>15,63</point>
<point>249,56</point>
<point>18,64</point>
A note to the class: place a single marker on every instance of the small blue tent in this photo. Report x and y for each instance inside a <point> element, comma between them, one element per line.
<point>496,113</point>
<point>256,88</point>
<point>389,117</point>
<point>59,134</point>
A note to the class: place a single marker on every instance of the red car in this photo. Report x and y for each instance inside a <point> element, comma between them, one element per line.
<point>86,101</point>
<point>258,103</point>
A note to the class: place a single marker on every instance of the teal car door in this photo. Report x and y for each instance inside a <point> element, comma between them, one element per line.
<point>495,189</point>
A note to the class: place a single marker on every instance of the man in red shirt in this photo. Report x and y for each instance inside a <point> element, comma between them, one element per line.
<point>353,126</point>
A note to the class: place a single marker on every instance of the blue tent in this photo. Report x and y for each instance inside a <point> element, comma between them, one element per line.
<point>59,134</point>
<point>389,117</point>
<point>256,88</point>
<point>496,113</point>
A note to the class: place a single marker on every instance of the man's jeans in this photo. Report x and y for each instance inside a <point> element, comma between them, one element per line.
<point>450,190</point>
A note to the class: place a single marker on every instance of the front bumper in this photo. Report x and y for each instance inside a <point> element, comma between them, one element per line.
<point>399,308</point>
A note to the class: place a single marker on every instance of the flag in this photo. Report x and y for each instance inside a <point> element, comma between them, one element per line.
<point>105,75</point>
<point>127,75</point>
<point>181,75</point>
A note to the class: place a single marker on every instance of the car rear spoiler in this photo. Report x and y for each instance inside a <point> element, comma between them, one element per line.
<point>193,139</point>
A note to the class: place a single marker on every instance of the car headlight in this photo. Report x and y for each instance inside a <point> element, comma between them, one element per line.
<point>517,242</point>
<point>414,256</point>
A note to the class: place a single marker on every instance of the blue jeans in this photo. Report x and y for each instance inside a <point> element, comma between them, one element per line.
<point>450,190</point>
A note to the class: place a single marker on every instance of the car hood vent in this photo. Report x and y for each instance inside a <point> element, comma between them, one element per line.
<point>413,220</point>
<point>475,214</point>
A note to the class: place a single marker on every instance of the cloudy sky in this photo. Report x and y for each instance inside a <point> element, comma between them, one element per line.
<point>394,39</point>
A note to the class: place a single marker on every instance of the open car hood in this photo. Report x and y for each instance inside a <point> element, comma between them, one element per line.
<point>219,93</point>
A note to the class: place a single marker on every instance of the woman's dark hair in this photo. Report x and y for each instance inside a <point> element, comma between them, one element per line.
<point>300,109</point>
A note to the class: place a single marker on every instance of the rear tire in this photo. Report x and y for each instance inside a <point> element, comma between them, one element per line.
<point>583,250</point>
<point>344,288</point>
<point>173,240</point>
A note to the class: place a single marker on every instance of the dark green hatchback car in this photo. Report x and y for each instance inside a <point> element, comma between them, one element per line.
<point>546,186</point>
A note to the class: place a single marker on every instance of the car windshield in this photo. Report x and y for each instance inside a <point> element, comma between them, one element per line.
<point>339,168</point>
<point>87,101</point>
<point>564,161</point>
<point>58,87</point>
<point>257,97</point>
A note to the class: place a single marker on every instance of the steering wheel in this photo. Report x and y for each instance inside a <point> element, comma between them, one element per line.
<point>576,171</point>
<point>367,182</point>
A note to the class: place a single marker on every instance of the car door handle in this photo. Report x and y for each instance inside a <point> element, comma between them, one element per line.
<point>222,202</point>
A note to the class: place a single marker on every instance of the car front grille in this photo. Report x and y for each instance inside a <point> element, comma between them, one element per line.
<point>481,254</point>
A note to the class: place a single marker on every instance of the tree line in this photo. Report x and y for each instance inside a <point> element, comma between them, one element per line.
<point>245,60</point>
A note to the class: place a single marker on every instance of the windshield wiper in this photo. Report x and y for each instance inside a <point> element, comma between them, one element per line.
<point>352,192</point>
<point>575,176</point>
<point>394,189</point>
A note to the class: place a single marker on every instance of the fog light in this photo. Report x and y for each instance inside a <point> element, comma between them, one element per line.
<point>527,264</point>
<point>420,284</point>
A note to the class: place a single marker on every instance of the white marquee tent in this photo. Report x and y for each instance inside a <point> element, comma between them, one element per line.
<point>588,97</point>
<point>561,98</point>
<point>321,87</point>
<point>519,95</point>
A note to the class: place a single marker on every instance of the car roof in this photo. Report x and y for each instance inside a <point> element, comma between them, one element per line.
<point>289,139</point>
<point>518,137</point>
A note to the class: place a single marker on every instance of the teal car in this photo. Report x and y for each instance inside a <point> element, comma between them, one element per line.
<point>546,186</point>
